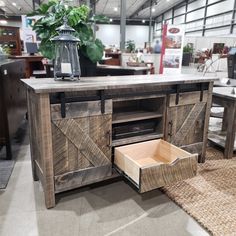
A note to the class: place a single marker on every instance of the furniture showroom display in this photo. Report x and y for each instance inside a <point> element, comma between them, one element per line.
<point>82,132</point>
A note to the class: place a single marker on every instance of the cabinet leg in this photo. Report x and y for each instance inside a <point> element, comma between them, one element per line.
<point>34,172</point>
<point>231,128</point>
<point>8,150</point>
<point>225,120</point>
<point>201,158</point>
<point>49,199</point>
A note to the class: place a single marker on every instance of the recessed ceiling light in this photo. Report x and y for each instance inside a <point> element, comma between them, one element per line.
<point>3,22</point>
<point>111,20</point>
<point>14,4</point>
<point>115,8</point>
<point>143,21</point>
<point>153,9</point>
<point>2,4</point>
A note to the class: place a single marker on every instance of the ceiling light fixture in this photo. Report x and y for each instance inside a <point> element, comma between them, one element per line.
<point>3,22</point>
<point>143,21</point>
<point>115,8</point>
<point>111,20</point>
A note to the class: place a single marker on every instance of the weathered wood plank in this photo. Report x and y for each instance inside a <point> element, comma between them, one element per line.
<point>189,122</point>
<point>225,120</point>
<point>81,109</point>
<point>175,118</point>
<point>100,131</point>
<point>158,176</point>
<point>81,177</point>
<point>206,124</point>
<point>60,151</point>
<point>48,85</point>
<point>187,98</point>
<point>82,141</point>
<point>45,144</point>
<point>32,134</point>
<point>230,135</point>
<point>196,131</point>
<point>193,148</point>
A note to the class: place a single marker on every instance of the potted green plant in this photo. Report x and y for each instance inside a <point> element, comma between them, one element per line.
<point>187,55</point>
<point>51,16</point>
<point>130,46</point>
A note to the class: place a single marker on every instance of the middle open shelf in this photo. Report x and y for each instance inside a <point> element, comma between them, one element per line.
<point>136,120</point>
<point>122,117</point>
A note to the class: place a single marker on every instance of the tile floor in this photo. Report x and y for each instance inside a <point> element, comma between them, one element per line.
<point>113,209</point>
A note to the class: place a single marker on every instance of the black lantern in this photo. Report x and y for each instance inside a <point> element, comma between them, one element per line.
<point>66,65</point>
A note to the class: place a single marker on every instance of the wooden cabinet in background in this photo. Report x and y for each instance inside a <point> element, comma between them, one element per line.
<point>10,37</point>
<point>12,101</point>
<point>115,58</point>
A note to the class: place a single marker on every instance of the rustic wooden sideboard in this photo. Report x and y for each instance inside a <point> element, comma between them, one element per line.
<point>75,126</point>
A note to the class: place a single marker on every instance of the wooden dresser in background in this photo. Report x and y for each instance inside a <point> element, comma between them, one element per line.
<point>10,37</point>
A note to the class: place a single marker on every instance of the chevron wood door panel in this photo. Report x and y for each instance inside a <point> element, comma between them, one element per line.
<point>186,120</point>
<point>81,150</point>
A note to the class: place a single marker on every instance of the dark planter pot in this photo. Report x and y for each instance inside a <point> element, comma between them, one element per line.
<point>88,68</point>
<point>186,58</point>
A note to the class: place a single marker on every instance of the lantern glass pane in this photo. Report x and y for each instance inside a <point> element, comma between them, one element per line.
<point>66,60</point>
<point>75,59</point>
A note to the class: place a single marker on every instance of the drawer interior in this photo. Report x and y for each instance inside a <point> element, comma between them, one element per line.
<point>131,158</point>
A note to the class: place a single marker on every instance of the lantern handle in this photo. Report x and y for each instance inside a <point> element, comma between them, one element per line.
<point>65,20</point>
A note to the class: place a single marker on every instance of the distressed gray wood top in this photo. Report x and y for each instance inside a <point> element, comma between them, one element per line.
<point>49,85</point>
<point>133,68</point>
<point>224,92</point>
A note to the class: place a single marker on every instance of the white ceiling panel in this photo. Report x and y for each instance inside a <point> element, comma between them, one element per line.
<point>160,7</point>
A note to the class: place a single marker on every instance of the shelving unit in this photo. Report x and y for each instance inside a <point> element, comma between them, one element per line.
<point>10,37</point>
<point>136,120</point>
<point>134,116</point>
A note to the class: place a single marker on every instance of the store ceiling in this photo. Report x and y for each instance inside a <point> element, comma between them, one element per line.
<point>111,8</point>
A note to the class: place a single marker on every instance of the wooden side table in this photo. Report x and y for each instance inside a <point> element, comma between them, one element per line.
<point>225,138</point>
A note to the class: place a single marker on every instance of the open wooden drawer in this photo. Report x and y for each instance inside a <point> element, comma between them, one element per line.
<point>154,164</point>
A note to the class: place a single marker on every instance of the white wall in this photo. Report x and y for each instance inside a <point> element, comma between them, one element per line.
<point>110,34</point>
<point>225,7</point>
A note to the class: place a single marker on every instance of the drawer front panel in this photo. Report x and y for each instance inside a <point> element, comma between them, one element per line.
<point>159,176</point>
<point>154,164</point>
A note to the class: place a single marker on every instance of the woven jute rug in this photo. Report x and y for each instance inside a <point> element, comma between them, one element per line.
<point>210,197</point>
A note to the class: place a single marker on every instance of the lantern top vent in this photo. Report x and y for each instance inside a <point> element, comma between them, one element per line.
<point>65,33</point>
